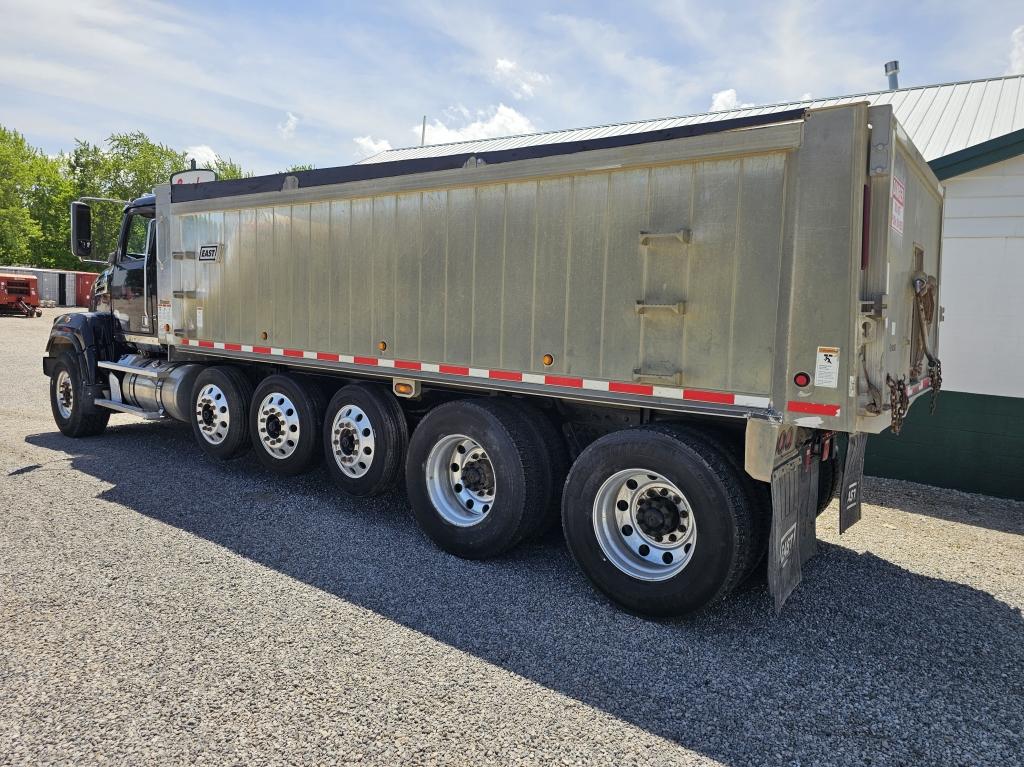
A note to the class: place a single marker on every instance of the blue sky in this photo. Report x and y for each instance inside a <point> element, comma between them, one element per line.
<point>274,84</point>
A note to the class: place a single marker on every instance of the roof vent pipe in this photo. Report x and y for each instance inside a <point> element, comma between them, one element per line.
<point>892,71</point>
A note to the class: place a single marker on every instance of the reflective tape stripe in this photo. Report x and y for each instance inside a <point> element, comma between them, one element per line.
<point>812,408</point>
<point>515,376</point>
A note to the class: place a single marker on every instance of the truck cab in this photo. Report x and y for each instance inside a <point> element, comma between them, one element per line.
<point>127,287</point>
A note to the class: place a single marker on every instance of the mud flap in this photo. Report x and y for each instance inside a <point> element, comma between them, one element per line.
<point>793,537</point>
<point>853,482</point>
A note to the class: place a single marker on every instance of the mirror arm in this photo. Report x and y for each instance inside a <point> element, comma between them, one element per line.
<point>102,199</point>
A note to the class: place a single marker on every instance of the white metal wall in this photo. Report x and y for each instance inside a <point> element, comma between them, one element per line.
<point>982,341</point>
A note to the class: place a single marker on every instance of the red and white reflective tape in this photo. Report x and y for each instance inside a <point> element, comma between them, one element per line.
<point>920,386</point>
<point>515,376</point>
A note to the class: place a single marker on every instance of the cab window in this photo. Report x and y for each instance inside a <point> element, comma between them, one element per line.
<point>136,242</point>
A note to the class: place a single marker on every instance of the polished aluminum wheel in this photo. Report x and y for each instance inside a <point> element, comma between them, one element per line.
<point>278,425</point>
<point>352,441</point>
<point>65,394</point>
<point>212,414</point>
<point>460,480</point>
<point>644,525</point>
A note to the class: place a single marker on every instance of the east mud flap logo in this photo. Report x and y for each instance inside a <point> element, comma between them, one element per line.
<point>208,252</point>
<point>786,546</point>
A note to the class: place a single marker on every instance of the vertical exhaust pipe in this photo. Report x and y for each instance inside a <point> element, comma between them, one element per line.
<point>892,71</point>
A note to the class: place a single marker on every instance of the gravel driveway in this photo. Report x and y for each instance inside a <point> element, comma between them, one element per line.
<point>159,608</point>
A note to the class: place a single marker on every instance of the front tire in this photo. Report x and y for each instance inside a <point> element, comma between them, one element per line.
<point>285,421</point>
<point>658,519</point>
<point>67,401</point>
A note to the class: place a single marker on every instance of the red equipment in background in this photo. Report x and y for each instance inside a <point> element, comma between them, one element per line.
<point>83,287</point>
<point>18,294</point>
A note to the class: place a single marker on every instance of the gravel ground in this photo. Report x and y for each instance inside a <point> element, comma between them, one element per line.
<point>159,608</point>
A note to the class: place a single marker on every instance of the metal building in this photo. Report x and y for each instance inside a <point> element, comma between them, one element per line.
<point>972,134</point>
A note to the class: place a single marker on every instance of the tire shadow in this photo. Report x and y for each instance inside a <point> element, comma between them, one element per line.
<point>867,663</point>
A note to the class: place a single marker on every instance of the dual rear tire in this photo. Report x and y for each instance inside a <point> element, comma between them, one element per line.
<point>480,476</point>
<point>660,520</point>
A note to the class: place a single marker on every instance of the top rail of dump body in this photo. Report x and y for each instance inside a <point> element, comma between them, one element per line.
<point>349,173</point>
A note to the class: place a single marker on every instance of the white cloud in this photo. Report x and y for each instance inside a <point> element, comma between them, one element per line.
<point>723,101</point>
<point>369,146</point>
<point>521,82</point>
<point>204,155</point>
<point>288,127</point>
<point>1016,52</point>
<point>487,123</point>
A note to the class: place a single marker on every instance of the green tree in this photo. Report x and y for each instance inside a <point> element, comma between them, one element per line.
<point>48,203</point>
<point>36,191</point>
<point>226,168</point>
<point>18,229</point>
<point>133,165</point>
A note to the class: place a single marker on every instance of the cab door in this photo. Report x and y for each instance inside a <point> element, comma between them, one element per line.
<point>131,282</point>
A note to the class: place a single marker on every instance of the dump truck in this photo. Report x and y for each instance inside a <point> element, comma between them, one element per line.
<point>674,343</point>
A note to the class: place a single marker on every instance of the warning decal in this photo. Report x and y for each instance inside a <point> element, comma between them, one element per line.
<point>899,198</point>
<point>163,314</point>
<point>826,368</point>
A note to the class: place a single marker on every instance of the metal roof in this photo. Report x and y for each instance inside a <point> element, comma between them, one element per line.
<point>941,119</point>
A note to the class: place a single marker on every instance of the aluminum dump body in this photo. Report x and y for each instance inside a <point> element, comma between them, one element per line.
<point>699,274</point>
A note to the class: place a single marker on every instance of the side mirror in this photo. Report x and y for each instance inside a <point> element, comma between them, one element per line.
<point>81,229</point>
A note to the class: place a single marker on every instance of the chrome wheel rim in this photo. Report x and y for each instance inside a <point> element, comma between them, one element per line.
<point>279,425</point>
<point>353,441</point>
<point>65,394</point>
<point>461,481</point>
<point>644,525</point>
<point>212,414</point>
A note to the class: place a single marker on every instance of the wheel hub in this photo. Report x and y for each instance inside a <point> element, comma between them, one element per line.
<point>65,394</point>
<point>279,426</point>
<point>644,524</point>
<point>657,516</point>
<point>347,441</point>
<point>212,414</point>
<point>353,441</point>
<point>478,476</point>
<point>208,414</point>
<point>460,480</point>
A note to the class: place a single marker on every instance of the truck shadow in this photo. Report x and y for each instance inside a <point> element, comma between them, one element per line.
<point>868,660</point>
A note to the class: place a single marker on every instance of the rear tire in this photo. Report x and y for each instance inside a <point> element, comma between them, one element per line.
<point>549,443</point>
<point>221,398</point>
<point>284,423</point>
<point>630,492</point>
<point>365,439</point>
<point>829,476</point>
<point>474,478</point>
<point>67,401</point>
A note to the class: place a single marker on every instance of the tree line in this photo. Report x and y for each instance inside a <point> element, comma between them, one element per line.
<point>36,191</point>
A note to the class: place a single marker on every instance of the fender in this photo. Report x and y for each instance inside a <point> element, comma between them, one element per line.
<point>89,336</point>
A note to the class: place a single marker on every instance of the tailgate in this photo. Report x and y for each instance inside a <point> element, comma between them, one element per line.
<point>899,312</point>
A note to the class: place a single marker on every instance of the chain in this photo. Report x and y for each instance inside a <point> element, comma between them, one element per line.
<point>935,373</point>
<point>898,402</point>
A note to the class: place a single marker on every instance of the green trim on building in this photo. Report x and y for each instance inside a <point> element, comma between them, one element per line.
<point>988,152</point>
<point>974,442</point>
